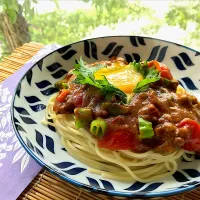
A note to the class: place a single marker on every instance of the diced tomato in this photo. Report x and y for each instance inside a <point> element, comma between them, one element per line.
<point>119,140</point>
<point>62,95</point>
<point>193,144</point>
<point>154,63</point>
<point>165,72</point>
<point>162,68</point>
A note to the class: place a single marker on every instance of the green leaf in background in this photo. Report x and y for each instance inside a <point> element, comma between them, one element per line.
<point>35,1</point>
<point>10,7</point>
<point>12,15</point>
<point>27,7</point>
<point>61,26</point>
<point>56,3</point>
<point>13,4</point>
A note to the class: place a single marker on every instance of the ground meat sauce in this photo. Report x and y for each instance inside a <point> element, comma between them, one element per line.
<point>160,105</point>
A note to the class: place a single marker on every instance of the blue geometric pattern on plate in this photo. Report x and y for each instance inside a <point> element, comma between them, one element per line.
<point>44,145</point>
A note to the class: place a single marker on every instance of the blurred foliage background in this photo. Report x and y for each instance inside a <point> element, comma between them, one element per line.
<point>67,21</point>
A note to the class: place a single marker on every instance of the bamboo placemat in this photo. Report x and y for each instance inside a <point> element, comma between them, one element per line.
<point>46,186</point>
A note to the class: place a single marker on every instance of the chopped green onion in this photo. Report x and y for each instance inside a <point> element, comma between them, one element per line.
<point>79,123</point>
<point>146,129</point>
<point>64,85</point>
<point>61,84</point>
<point>83,117</point>
<point>98,127</point>
<point>166,81</point>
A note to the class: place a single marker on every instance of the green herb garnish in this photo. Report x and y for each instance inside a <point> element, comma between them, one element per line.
<point>85,75</point>
<point>140,67</point>
<point>150,75</point>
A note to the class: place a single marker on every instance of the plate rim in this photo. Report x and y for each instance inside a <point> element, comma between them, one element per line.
<point>86,186</point>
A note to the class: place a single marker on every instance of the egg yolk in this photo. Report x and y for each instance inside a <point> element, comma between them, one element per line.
<point>123,77</point>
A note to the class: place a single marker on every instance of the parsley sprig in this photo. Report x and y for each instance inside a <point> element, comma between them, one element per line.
<point>85,75</point>
<point>150,75</point>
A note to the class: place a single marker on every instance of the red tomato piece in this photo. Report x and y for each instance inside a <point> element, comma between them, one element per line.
<point>162,68</point>
<point>119,140</point>
<point>154,63</point>
<point>61,96</point>
<point>193,144</point>
<point>165,72</point>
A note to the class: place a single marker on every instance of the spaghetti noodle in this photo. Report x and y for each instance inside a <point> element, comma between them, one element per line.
<point>127,121</point>
<point>123,165</point>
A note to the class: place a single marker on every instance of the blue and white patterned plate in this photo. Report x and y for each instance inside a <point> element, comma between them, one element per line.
<point>43,143</point>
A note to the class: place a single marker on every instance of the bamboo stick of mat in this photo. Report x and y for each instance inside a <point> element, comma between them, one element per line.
<point>17,59</point>
<point>46,186</point>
